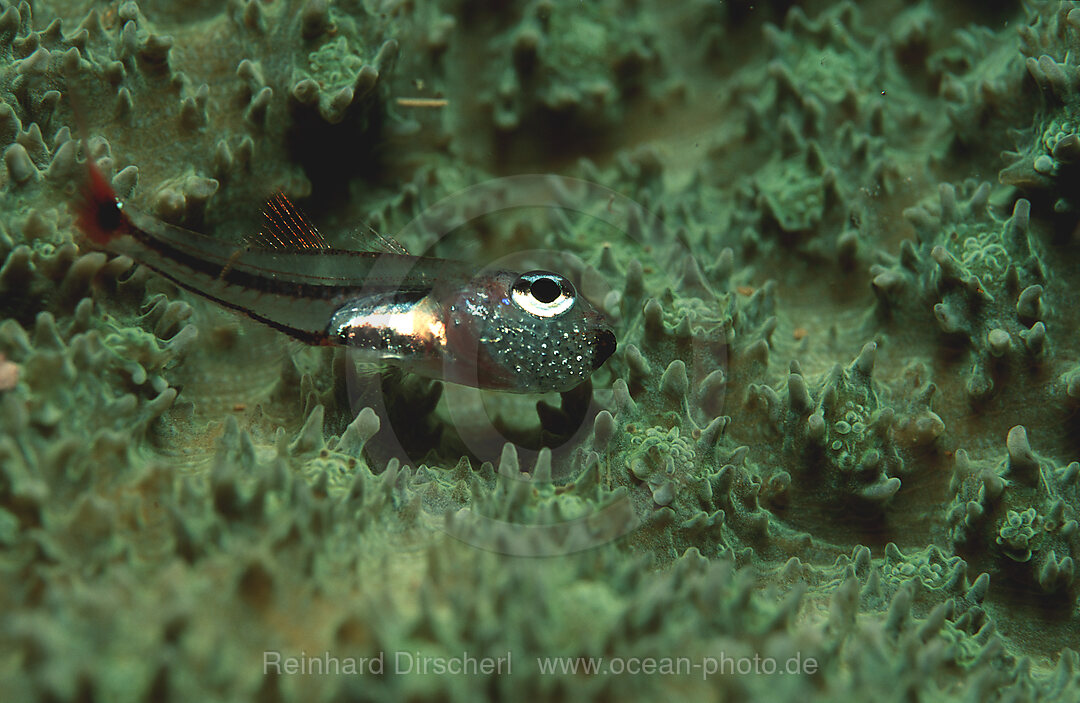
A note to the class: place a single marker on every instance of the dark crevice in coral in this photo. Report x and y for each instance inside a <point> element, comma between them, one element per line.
<point>334,156</point>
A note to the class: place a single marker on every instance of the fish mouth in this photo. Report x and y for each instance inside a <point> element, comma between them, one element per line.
<point>604,347</point>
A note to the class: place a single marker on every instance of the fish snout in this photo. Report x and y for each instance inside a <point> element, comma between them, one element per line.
<point>603,348</point>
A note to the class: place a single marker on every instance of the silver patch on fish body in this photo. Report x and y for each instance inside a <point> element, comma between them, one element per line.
<point>396,326</point>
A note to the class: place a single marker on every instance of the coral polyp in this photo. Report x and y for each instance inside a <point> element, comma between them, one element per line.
<point>837,245</point>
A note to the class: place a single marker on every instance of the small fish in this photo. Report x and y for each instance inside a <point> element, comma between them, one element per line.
<point>518,332</point>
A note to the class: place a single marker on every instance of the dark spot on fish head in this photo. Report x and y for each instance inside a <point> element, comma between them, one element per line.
<point>604,347</point>
<point>545,289</point>
<point>110,214</point>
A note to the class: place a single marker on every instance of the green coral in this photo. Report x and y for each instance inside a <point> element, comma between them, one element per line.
<point>180,492</point>
<point>660,459</point>
<point>982,279</point>
<point>1024,507</point>
<point>574,63</point>
<point>1018,532</point>
<point>852,446</point>
<point>334,64</point>
<point>1044,162</point>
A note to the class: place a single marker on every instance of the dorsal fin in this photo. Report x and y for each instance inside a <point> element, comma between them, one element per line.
<point>370,239</point>
<point>286,228</point>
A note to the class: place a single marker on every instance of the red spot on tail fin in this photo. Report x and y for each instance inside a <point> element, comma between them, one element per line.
<point>99,214</point>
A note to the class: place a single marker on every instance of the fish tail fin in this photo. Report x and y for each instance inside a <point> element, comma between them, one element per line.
<point>99,214</point>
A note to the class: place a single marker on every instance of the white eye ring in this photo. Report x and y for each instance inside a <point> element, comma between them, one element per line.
<point>543,293</point>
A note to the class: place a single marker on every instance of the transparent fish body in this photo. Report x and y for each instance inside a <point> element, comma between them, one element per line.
<point>501,330</point>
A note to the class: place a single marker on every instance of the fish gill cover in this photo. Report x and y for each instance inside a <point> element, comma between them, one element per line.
<point>840,432</point>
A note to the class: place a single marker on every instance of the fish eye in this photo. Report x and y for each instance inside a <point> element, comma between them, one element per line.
<point>110,214</point>
<point>543,293</point>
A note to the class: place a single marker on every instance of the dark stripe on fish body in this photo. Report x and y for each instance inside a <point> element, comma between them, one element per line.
<point>417,279</point>
<point>237,276</point>
<point>306,336</point>
<point>413,282</point>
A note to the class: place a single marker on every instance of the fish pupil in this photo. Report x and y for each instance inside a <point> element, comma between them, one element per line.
<point>545,290</point>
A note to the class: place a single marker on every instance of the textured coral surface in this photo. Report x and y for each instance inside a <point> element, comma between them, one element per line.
<point>839,246</point>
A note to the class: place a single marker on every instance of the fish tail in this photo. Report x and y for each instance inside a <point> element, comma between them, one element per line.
<point>99,214</point>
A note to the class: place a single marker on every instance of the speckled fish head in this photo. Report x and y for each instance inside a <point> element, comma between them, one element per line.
<point>526,332</point>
